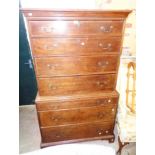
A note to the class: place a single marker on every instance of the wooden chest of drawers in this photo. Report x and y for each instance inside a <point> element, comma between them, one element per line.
<point>76,58</point>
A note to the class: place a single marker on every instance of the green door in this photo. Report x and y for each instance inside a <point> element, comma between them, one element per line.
<point>27,80</point>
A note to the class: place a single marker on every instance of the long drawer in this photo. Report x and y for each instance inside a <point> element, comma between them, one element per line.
<point>78,115</point>
<point>84,65</point>
<point>44,103</point>
<point>75,46</point>
<point>71,132</point>
<point>52,28</point>
<point>75,84</point>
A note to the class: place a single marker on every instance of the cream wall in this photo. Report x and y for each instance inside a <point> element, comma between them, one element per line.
<point>116,4</point>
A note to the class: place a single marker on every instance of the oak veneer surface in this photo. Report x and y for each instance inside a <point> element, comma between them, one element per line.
<point>76,57</point>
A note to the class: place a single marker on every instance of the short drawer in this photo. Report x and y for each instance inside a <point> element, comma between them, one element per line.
<point>75,46</point>
<point>52,28</point>
<point>78,115</point>
<point>82,65</point>
<point>71,132</point>
<point>75,102</point>
<point>76,84</point>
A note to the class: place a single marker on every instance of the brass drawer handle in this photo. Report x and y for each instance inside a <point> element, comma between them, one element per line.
<point>103,63</point>
<point>57,136</point>
<point>100,115</point>
<point>106,29</point>
<point>103,101</point>
<point>54,119</point>
<point>52,66</point>
<point>106,131</point>
<point>105,48</point>
<point>47,29</point>
<point>100,132</point>
<point>49,48</point>
<point>52,87</point>
<point>103,83</point>
<point>99,83</point>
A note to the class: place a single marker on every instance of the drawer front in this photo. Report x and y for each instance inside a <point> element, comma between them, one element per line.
<point>76,84</point>
<point>71,132</point>
<point>50,28</point>
<point>79,115</point>
<point>61,66</point>
<point>75,46</point>
<point>67,104</point>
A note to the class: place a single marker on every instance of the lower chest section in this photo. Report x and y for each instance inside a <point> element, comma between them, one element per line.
<point>77,117</point>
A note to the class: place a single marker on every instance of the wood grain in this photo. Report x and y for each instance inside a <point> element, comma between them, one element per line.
<point>71,28</point>
<point>84,65</point>
<point>77,115</point>
<point>44,103</point>
<point>75,46</point>
<point>75,84</point>
<point>70,132</point>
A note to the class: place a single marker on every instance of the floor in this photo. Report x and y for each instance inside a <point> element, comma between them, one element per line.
<point>29,134</point>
